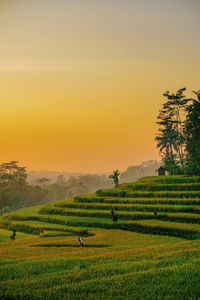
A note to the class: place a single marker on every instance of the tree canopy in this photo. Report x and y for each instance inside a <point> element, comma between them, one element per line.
<point>178,137</point>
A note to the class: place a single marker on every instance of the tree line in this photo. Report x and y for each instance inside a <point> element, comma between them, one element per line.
<point>16,191</point>
<point>178,137</point>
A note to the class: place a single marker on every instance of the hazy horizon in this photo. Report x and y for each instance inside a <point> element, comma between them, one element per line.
<point>72,172</point>
<point>82,81</point>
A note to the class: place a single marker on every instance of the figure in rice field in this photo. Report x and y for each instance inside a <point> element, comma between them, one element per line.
<point>13,236</point>
<point>115,177</point>
<point>114,215</point>
<point>80,241</point>
<point>155,213</point>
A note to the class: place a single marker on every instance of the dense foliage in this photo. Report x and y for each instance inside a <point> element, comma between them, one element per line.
<point>178,136</point>
<point>192,135</point>
<point>12,184</point>
<point>16,191</point>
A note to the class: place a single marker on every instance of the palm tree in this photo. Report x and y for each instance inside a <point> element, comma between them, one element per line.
<point>167,140</point>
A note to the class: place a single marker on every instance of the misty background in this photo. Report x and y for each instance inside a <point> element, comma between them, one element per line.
<point>20,188</point>
<point>62,185</point>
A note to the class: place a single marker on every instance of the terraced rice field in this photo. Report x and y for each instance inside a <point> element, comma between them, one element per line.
<point>151,252</point>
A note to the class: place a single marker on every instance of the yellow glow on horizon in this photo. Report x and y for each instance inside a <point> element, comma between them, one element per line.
<point>81,86</point>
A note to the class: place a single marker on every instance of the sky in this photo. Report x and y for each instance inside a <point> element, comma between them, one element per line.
<point>81,82</point>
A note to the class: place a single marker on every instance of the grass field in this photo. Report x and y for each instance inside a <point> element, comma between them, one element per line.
<point>151,252</point>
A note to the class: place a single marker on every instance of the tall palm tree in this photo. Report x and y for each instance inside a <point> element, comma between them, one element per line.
<point>167,140</point>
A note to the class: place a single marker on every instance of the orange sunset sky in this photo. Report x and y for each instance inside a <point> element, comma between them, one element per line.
<point>81,81</point>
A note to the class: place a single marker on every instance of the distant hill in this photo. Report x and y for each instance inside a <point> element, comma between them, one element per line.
<point>130,174</point>
<point>147,168</point>
<point>52,175</point>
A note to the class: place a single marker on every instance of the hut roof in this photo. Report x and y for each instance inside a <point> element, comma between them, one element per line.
<point>161,168</point>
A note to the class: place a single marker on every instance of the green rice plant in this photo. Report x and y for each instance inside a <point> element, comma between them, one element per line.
<point>20,227</point>
<point>117,192</point>
<point>183,217</point>
<point>171,179</point>
<point>139,186</point>
<point>69,221</point>
<point>33,227</point>
<point>89,198</point>
<point>188,231</point>
<point>5,235</point>
<point>38,227</point>
<point>126,200</point>
<point>56,234</point>
<point>133,281</point>
<point>128,207</point>
<point>101,213</point>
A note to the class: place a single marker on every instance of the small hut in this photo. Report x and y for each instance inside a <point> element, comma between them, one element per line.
<point>161,171</point>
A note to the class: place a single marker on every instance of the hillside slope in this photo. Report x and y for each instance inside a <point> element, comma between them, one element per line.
<point>150,251</point>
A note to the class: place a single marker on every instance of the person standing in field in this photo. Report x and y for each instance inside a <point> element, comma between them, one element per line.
<point>13,236</point>
<point>80,241</point>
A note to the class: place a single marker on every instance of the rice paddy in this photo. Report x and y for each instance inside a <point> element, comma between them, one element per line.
<point>151,252</point>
